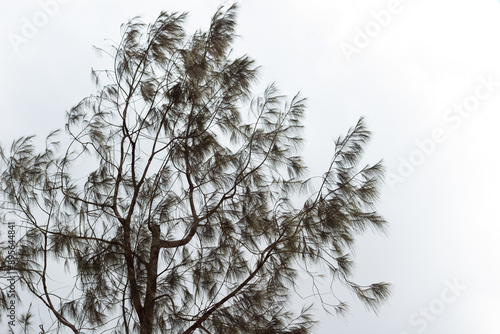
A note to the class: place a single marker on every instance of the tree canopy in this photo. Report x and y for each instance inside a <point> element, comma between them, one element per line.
<point>178,201</point>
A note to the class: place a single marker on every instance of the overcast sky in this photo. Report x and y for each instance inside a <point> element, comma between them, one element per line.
<point>425,73</point>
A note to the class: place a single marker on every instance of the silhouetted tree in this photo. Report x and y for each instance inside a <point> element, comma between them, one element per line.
<point>174,203</point>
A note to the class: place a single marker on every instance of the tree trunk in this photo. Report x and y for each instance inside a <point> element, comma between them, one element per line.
<point>147,322</point>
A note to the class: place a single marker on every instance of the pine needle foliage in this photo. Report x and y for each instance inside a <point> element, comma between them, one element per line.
<point>188,220</point>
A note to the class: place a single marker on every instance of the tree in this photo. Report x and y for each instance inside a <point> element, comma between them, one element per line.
<point>173,210</point>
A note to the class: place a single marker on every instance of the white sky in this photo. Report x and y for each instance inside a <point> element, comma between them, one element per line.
<point>431,55</point>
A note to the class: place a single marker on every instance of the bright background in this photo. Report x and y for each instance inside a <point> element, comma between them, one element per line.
<point>430,55</point>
